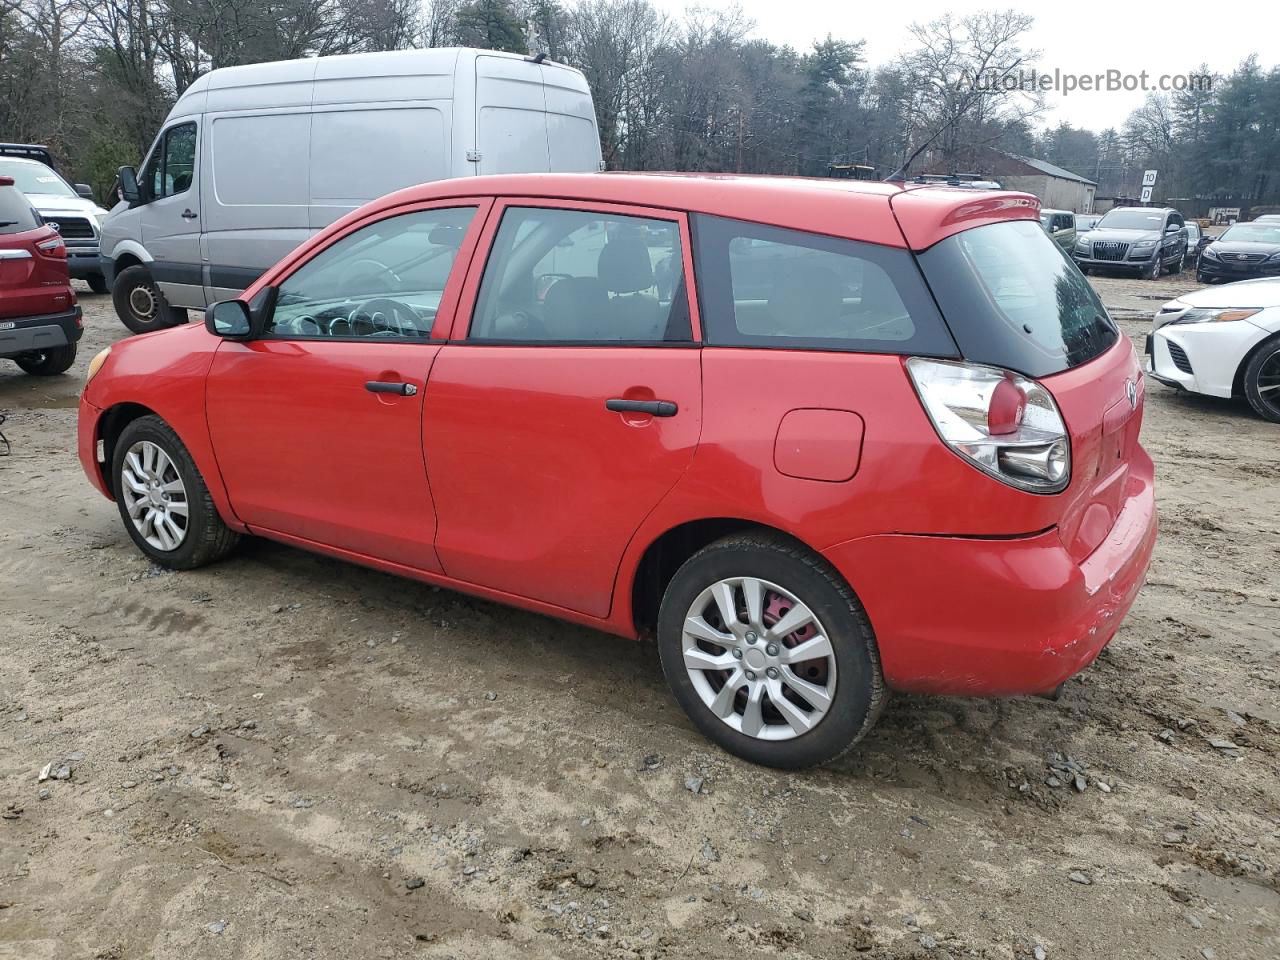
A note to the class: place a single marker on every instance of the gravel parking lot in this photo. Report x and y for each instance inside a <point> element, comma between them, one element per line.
<point>285,756</point>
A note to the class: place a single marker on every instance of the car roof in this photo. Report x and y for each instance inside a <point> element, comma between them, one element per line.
<point>887,213</point>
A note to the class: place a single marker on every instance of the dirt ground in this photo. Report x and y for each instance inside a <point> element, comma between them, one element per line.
<point>285,757</point>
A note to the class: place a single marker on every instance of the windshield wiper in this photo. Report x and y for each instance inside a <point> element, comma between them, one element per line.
<point>7,223</point>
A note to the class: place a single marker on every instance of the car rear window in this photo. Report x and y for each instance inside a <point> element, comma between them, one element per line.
<point>1014,299</point>
<point>762,286</point>
<point>16,215</point>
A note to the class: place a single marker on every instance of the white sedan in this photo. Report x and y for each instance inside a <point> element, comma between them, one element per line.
<point>1222,341</point>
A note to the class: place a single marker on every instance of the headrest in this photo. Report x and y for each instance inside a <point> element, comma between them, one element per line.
<point>574,308</point>
<point>624,265</point>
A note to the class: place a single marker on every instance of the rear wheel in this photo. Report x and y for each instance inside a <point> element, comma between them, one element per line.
<point>1179,264</point>
<point>139,303</point>
<point>47,363</point>
<point>1262,380</point>
<point>164,502</point>
<point>769,652</point>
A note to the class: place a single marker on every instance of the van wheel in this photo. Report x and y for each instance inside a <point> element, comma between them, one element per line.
<point>164,502</point>
<point>1262,380</point>
<point>139,303</point>
<point>769,652</point>
<point>47,363</point>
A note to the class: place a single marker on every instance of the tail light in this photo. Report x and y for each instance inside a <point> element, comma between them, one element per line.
<point>53,246</point>
<point>1004,424</point>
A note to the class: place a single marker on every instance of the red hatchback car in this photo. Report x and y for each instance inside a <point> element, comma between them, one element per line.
<point>40,323</point>
<point>824,439</point>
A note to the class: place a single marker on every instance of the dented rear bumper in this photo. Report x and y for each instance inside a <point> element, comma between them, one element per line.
<point>1000,616</point>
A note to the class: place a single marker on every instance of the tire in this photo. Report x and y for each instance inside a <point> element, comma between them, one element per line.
<point>98,283</point>
<point>139,303</point>
<point>47,363</point>
<point>777,564</point>
<point>1182,262</point>
<point>204,537</point>
<point>1086,270</point>
<point>1263,371</point>
<point>1152,270</point>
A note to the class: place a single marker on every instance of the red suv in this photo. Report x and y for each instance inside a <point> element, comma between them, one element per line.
<point>40,322</point>
<point>824,439</point>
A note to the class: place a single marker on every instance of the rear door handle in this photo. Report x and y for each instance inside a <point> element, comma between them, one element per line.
<point>188,214</point>
<point>385,386</point>
<point>655,408</point>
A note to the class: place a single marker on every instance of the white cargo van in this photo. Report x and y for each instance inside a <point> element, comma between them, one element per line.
<point>253,160</point>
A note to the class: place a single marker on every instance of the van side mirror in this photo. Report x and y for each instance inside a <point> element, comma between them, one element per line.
<point>84,190</point>
<point>129,185</point>
<point>230,319</point>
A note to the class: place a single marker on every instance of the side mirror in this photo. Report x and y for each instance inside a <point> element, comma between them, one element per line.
<point>1172,228</point>
<point>84,190</point>
<point>230,319</point>
<point>129,192</point>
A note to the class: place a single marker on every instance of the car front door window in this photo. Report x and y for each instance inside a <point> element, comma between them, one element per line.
<point>384,281</point>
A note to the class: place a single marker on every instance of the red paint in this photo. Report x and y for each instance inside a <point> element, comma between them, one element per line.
<point>36,285</point>
<point>506,477</point>
<point>818,445</point>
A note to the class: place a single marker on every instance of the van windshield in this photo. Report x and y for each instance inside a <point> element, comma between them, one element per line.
<point>1014,299</point>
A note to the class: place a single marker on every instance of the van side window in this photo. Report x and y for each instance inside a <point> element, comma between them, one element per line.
<point>383,281</point>
<point>577,276</point>
<point>173,163</point>
<point>769,287</point>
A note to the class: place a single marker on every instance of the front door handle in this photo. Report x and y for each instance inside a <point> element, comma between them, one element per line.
<point>385,386</point>
<point>655,408</point>
<point>188,214</point>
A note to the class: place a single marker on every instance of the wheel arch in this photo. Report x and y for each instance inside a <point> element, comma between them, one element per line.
<point>1237,382</point>
<point>669,550</point>
<point>110,426</point>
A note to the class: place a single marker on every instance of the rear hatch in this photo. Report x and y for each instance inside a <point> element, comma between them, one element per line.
<point>1014,300</point>
<point>33,261</point>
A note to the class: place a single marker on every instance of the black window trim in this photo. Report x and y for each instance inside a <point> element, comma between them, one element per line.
<point>619,209</point>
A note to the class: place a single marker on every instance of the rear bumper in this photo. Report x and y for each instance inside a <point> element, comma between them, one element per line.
<point>83,262</point>
<point>39,333</point>
<point>999,617</point>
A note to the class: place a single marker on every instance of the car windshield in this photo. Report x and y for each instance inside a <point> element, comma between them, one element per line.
<point>1014,299</point>
<point>1254,233</point>
<point>32,177</point>
<point>1132,218</point>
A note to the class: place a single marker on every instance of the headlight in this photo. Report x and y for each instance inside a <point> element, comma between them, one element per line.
<point>1144,245</point>
<point>1083,244</point>
<point>1214,316</point>
<point>96,364</point>
<point>1208,253</point>
<point>1274,256</point>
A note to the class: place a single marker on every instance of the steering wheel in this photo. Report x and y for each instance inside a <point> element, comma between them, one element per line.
<point>386,317</point>
<point>380,269</point>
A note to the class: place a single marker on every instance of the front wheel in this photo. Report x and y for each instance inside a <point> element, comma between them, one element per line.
<point>139,303</point>
<point>769,652</point>
<point>47,363</point>
<point>1262,380</point>
<point>164,502</point>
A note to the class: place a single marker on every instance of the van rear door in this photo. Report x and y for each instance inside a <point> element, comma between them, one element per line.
<point>532,118</point>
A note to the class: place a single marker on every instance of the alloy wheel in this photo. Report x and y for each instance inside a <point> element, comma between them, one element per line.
<point>759,658</point>
<point>155,496</point>
<point>1269,382</point>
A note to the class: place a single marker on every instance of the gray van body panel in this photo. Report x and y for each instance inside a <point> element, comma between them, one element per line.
<point>287,148</point>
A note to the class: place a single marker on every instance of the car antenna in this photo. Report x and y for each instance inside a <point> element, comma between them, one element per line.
<point>901,172</point>
<point>537,57</point>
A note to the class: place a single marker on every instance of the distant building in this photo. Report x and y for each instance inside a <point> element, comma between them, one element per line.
<point>1056,187</point>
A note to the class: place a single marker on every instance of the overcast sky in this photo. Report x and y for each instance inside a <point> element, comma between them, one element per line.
<point>1076,38</point>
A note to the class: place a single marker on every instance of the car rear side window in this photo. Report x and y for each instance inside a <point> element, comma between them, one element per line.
<point>762,286</point>
<point>16,215</point>
<point>1014,299</point>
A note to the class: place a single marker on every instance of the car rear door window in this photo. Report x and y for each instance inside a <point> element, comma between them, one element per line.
<point>382,281</point>
<point>766,286</point>
<point>580,276</point>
